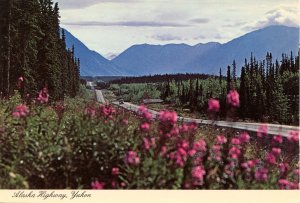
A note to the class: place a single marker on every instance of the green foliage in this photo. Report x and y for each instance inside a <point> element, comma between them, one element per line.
<point>31,47</point>
<point>65,146</point>
<point>135,92</point>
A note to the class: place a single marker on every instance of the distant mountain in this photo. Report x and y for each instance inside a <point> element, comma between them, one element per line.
<point>110,56</point>
<point>207,58</point>
<point>147,59</point>
<point>91,62</point>
<point>155,59</point>
<point>274,39</point>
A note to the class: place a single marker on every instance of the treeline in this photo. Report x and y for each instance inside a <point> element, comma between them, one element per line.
<point>33,46</point>
<point>269,91</point>
<point>160,78</point>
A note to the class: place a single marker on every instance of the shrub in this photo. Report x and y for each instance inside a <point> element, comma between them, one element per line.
<point>79,144</point>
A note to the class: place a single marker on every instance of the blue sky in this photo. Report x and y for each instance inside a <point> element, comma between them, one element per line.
<point>111,26</point>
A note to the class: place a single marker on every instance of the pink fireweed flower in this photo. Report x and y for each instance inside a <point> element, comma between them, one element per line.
<point>123,184</point>
<point>252,163</point>
<point>182,152</point>
<point>297,172</point>
<point>107,111</point>
<point>179,160</point>
<point>278,138</point>
<point>147,144</point>
<point>216,152</point>
<point>168,117</point>
<point>97,185</point>
<point>184,144</point>
<point>173,155</point>
<point>245,165</point>
<point>221,139</point>
<point>262,130</point>
<point>192,152</point>
<point>145,127</point>
<point>233,98</point>
<point>283,167</point>
<point>193,126</point>
<point>261,174</point>
<point>178,156</point>
<point>213,105</point>
<point>216,148</point>
<point>20,111</point>
<point>294,185</point>
<point>234,152</point>
<point>235,141</point>
<point>218,158</point>
<point>233,164</point>
<point>229,168</point>
<point>21,79</point>
<point>276,151</point>
<point>43,96</point>
<point>147,115</point>
<point>200,145</point>
<point>283,184</point>
<point>115,171</point>
<point>132,158</point>
<point>198,172</point>
<point>174,131</point>
<point>244,138</point>
<point>293,136</point>
<point>270,158</point>
<point>249,164</point>
<point>143,111</point>
<point>183,128</point>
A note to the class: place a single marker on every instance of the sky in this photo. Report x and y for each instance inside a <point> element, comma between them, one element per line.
<point>111,26</point>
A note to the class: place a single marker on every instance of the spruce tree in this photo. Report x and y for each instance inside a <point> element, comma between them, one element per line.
<point>243,95</point>
<point>31,47</point>
<point>228,79</point>
<point>234,74</point>
<point>220,76</point>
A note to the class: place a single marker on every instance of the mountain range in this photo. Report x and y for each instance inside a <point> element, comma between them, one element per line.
<point>91,62</point>
<point>145,59</point>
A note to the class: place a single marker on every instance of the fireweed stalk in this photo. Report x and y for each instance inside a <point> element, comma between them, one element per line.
<point>122,150</point>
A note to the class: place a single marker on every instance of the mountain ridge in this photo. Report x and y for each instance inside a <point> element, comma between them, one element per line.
<point>206,59</point>
<point>145,59</point>
<point>91,62</point>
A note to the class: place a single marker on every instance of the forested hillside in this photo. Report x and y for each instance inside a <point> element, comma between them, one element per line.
<point>33,50</point>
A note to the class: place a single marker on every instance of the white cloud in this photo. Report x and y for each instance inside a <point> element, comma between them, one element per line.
<point>127,24</point>
<point>111,26</point>
<point>288,16</point>
<point>80,4</point>
<point>166,37</point>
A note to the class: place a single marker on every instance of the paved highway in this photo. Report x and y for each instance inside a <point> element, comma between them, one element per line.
<point>273,129</point>
<point>99,96</point>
